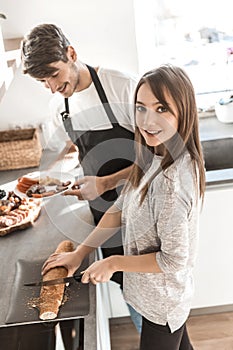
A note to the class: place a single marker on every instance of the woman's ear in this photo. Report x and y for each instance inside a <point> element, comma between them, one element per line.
<point>71,53</point>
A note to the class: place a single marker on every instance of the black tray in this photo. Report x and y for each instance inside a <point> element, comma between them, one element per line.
<point>20,311</point>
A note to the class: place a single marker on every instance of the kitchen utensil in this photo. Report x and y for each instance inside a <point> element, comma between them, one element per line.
<point>74,278</point>
<point>22,299</point>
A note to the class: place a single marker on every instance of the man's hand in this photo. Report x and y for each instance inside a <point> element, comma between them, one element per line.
<point>87,188</point>
<point>91,187</point>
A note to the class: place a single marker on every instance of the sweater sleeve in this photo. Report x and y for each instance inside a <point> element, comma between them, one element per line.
<point>119,202</point>
<point>173,224</point>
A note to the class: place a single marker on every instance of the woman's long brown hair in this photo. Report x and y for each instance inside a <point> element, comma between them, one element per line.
<point>174,81</point>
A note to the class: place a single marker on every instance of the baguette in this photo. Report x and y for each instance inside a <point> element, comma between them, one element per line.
<point>51,297</point>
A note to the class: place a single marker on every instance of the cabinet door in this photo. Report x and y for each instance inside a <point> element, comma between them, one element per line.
<point>213,273</point>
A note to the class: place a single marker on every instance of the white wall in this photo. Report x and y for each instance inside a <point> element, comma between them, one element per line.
<point>102,31</point>
<point>24,104</point>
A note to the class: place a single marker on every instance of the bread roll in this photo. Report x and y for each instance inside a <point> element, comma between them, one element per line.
<point>51,296</point>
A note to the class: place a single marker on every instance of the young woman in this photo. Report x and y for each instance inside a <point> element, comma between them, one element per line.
<point>158,211</point>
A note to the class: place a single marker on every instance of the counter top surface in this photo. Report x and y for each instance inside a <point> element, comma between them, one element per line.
<point>211,128</point>
<point>220,178</point>
<point>40,240</point>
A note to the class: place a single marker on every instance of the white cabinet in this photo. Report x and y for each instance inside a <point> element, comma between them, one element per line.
<point>214,267</point>
<point>213,272</point>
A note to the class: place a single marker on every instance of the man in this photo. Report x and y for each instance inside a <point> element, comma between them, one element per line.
<point>97,114</point>
<point>48,57</point>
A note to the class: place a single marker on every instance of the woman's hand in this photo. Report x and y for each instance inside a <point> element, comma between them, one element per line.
<point>71,261</point>
<point>100,271</point>
<point>87,188</point>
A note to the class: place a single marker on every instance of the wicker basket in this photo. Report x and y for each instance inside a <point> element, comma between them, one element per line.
<point>19,148</point>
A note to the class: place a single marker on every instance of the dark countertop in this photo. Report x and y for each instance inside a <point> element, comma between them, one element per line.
<point>40,240</point>
<point>210,129</point>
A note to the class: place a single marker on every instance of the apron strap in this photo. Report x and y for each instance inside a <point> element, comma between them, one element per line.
<point>67,106</point>
<point>102,95</point>
<point>66,114</point>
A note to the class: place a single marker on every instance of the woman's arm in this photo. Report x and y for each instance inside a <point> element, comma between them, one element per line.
<point>145,263</point>
<point>102,270</point>
<point>107,227</point>
<point>109,224</point>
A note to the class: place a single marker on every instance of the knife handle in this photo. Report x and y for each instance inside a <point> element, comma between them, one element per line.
<point>77,276</point>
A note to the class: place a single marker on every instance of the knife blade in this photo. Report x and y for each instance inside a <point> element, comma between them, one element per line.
<point>74,278</point>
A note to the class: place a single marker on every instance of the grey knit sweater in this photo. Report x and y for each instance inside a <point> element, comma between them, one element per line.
<point>166,223</point>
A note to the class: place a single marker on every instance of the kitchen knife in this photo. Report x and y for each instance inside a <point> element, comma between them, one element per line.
<point>74,278</point>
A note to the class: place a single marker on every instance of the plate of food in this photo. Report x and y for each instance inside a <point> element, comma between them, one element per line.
<point>43,184</point>
<point>17,213</point>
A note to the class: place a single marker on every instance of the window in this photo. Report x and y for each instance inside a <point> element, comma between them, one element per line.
<point>196,35</point>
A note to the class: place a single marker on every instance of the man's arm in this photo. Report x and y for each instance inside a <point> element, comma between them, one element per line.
<point>91,187</point>
<point>110,182</point>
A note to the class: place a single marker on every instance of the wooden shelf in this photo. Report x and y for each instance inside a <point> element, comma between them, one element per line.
<point>12,44</point>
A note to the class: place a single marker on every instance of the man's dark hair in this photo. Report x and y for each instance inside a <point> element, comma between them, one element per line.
<point>45,44</point>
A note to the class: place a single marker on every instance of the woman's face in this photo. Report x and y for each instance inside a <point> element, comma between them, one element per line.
<point>156,124</point>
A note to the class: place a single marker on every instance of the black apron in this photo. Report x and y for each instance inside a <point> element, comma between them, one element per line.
<point>101,152</point>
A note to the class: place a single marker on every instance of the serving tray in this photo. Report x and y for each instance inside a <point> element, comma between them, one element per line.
<point>22,297</point>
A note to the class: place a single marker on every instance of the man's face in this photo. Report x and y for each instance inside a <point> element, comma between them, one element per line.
<point>64,80</point>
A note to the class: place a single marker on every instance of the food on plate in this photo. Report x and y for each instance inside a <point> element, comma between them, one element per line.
<point>6,205</point>
<point>28,181</point>
<point>17,213</point>
<point>51,297</point>
<point>24,183</point>
<point>9,204</point>
<point>2,194</point>
<point>35,189</point>
<point>40,187</point>
<point>49,181</point>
